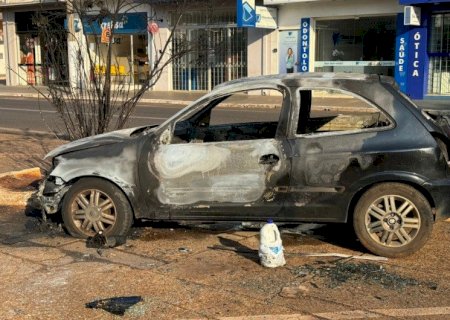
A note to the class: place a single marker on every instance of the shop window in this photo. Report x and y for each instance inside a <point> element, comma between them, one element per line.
<point>362,45</point>
<point>129,59</point>
<point>42,53</point>
<point>439,51</point>
<point>319,113</point>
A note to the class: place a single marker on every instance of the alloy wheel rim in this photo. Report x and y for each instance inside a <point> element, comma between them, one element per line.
<point>392,221</point>
<point>93,211</point>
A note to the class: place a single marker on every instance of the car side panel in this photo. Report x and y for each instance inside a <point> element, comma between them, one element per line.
<point>329,169</point>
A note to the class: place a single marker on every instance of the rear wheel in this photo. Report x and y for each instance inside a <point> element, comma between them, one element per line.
<point>393,220</point>
<point>92,205</point>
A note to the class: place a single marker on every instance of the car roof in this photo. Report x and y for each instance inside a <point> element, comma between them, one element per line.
<point>291,77</point>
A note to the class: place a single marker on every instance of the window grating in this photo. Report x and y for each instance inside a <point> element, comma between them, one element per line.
<point>439,52</point>
<point>217,55</point>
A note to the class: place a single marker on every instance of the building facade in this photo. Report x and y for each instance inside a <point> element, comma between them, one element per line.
<point>23,50</point>
<point>369,37</point>
<point>222,52</point>
<point>423,49</point>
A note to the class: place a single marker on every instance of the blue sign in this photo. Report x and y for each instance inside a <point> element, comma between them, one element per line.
<point>127,23</point>
<point>401,54</point>
<point>305,24</point>
<point>411,63</point>
<point>246,13</point>
<point>417,62</point>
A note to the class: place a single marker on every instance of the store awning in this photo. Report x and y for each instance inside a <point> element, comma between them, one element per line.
<point>127,23</point>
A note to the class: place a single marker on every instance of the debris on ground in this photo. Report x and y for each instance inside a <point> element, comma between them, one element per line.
<point>117,305</point>
<point>293,292</point>
<point>100,241</point>
<point>303,228</point>
<point>341,255</point>
<point>335,275</point>
<point>51,228</point>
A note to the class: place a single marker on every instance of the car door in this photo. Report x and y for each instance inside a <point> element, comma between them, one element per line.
<point>230,170</point>
<point>333,145</point>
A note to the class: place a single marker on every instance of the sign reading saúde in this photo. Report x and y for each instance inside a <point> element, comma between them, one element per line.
<point>305,24</point>
<point>246,13</point>
<point>411,59</point>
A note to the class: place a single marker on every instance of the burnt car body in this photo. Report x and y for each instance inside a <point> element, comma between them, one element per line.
<point>390,176</point>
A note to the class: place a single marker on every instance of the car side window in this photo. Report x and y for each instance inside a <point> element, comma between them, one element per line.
<point>324,111</point>
<point>238,116</point>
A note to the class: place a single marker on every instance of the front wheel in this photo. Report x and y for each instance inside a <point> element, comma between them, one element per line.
<point>92,205</point>
<point>393,220</point>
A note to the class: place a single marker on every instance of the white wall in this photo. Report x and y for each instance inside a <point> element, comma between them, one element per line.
<point>261,60</point>
<point>10,48</point>
<point>289,14</point>
<point>2,61</point>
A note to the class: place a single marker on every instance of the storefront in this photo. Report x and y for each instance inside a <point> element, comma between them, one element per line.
<point>129,52</point>
<point>341,36</point>
<point>369,37</point>
<point>25,51</point>
<point>423,50</point>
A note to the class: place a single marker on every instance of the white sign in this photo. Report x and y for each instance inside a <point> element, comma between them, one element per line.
<point>416,61</point>
<point>401,55</point>
<point>411,16</point>
<point>266,17</point>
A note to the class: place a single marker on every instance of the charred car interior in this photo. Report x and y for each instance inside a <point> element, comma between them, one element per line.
<point>202,127</point>
<point>374,160</point>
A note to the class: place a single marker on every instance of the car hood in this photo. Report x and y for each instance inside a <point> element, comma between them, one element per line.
<point>96,141</point>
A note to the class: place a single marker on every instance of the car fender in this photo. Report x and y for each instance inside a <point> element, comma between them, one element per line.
<point>360,186</point>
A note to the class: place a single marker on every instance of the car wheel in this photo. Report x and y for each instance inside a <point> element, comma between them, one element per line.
<point>92,205</point>
<point>393,220</point>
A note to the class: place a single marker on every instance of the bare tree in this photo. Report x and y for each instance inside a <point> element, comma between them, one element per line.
<point>101,95</point>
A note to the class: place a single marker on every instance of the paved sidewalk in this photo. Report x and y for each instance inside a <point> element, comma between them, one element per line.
<point>185,97</point>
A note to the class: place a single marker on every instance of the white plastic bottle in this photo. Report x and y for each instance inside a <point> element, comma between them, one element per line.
<point>270,246</point>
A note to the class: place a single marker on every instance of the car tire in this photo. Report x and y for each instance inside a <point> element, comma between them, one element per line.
<point>93,204</point>
<point>393,220</point>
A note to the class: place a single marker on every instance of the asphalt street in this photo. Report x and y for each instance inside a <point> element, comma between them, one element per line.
<point>39,115</point>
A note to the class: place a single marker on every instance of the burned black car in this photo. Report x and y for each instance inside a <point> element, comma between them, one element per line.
<point>374,160</point>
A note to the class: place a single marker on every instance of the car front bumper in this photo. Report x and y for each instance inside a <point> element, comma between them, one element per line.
<point>50,195</point>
